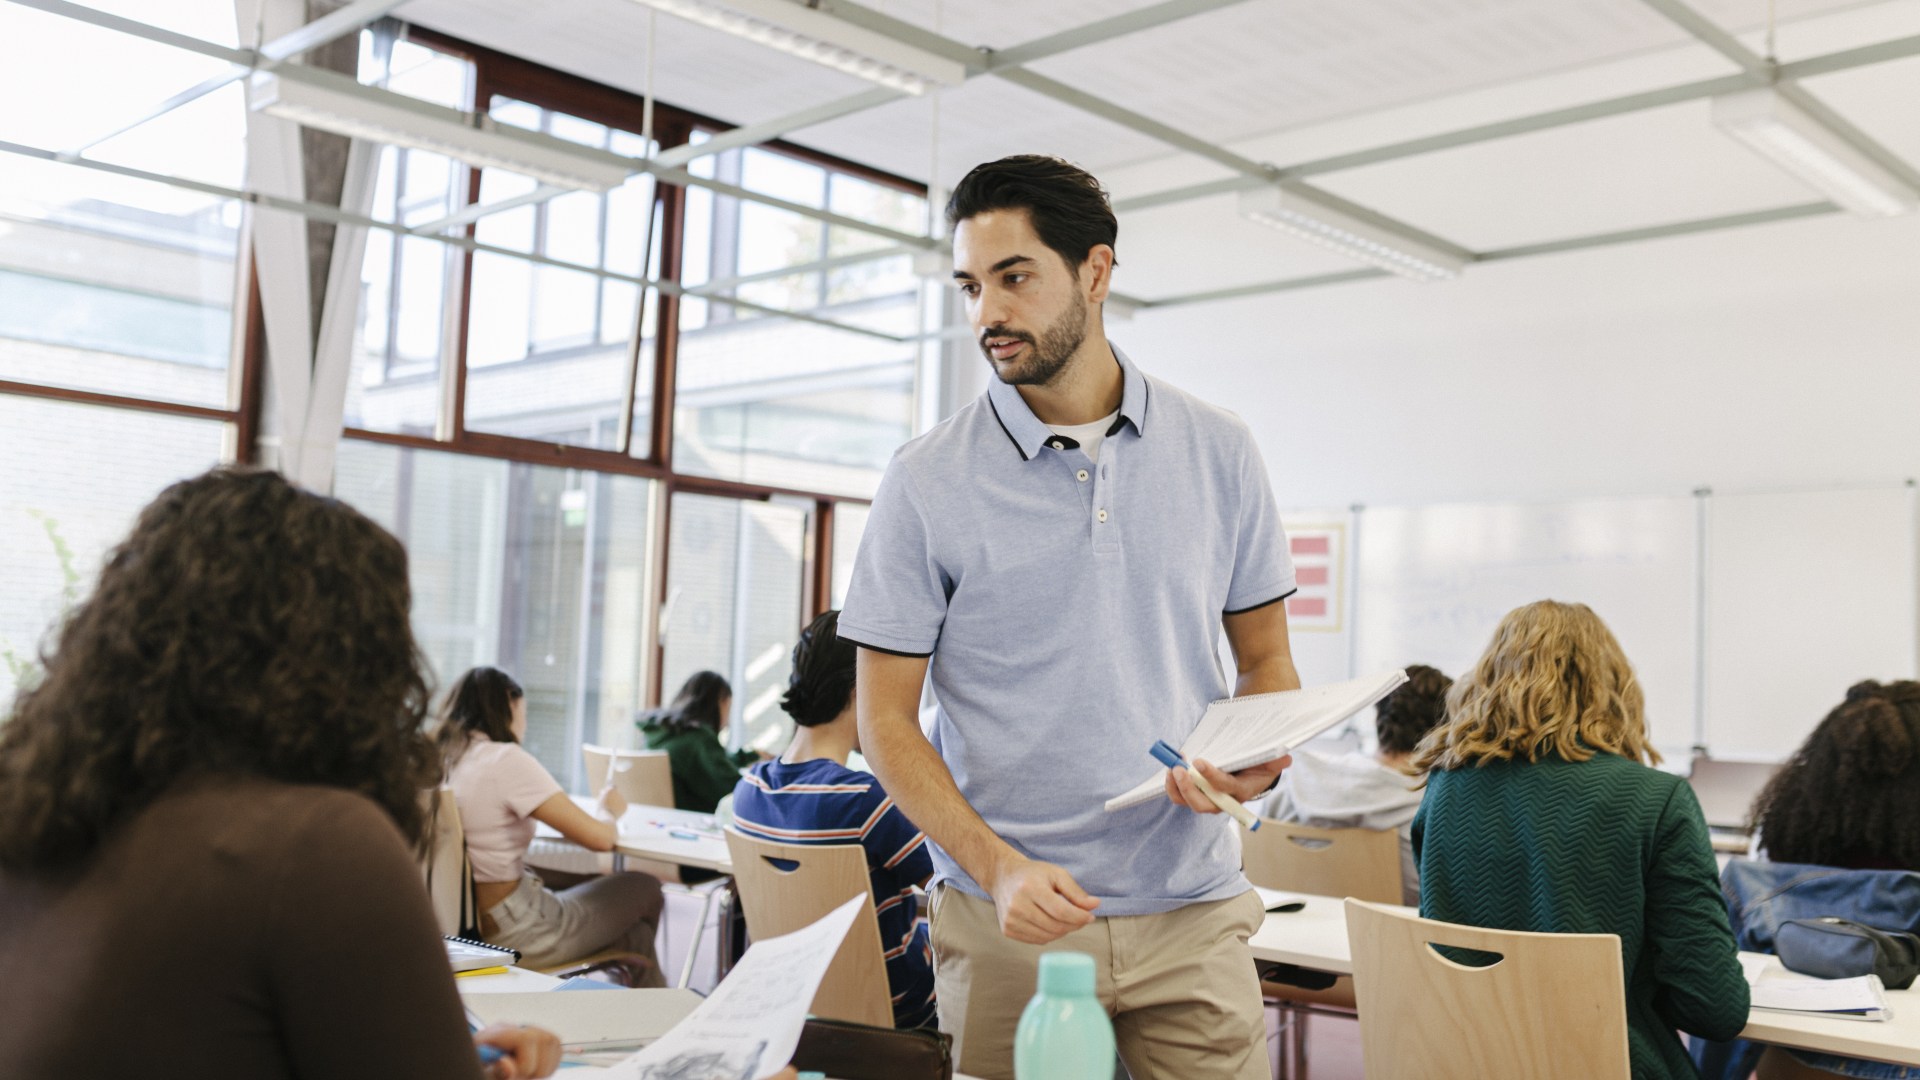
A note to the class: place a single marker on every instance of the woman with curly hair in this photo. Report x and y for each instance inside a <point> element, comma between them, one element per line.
<point>209,809</point>
<point>1358,790</point>
<point>1542,813</point>
<point>1851,795</point>
<point>502,790</point>
<point>808,796</point>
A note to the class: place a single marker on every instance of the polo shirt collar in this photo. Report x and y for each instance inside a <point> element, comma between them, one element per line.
<point>1028,433</point>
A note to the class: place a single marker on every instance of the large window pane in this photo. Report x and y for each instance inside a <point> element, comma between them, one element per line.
<point>547,352</point>
<point>793,404</point>
<point>72,478</point>
<point>407,282</point>
<point>540,571</point>
<point>849,524</point>
<point>734,573</point>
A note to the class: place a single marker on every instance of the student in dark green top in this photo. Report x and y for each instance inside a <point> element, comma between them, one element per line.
<point>1542,813</point>
<point>689,731</point>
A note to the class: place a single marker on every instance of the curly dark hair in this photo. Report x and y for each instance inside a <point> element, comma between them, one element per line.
<point>1405,716</point>
<point>822,680</point>
<point>1850,796</point>
<point>244,628</point>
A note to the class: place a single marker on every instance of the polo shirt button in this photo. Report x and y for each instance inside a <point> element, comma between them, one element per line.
<point>1102,516</point>
<point>1082,475</point>
<point>1057,445</point>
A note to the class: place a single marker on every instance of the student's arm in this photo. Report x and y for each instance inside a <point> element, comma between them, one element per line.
<point>566,818</point>
<point>1699,985</point>
<point>1264,660</point>
<point>1037,902</point>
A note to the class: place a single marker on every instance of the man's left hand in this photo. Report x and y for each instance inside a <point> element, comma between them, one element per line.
<point>1245,786</point>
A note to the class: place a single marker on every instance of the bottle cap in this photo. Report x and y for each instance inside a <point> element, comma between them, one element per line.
<point>1066,974</point>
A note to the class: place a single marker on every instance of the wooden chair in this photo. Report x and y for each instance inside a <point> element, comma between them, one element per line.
<point>1361,863</point>
<point>1552,1007</point>
<point>784,887</point>
<point>641,776</point>
<point>449,876</point>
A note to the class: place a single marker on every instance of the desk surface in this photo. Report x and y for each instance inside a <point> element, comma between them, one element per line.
<point>1315,937</point>
<point>646,832</point>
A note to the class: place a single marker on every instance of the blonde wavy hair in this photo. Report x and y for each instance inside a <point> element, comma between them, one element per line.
<point>1553,681</point>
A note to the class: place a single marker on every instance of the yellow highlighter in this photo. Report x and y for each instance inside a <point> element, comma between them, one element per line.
<point>499,970</point>
<point>1168,756</point>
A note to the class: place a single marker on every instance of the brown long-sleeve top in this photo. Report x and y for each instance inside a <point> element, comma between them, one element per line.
<point>238,928</point>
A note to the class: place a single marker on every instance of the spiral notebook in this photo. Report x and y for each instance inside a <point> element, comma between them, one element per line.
<point>466,954</point>
<point>1235,733</point>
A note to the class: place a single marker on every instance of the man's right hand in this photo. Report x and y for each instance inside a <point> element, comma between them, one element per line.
<point>1038,902</point>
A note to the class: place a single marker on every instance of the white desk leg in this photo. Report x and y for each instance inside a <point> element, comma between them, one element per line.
<point>699,932</point>
<point>619,862</point>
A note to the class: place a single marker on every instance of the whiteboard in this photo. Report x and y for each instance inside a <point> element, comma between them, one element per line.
<point>1433,582</point>
<point>1807,594</point>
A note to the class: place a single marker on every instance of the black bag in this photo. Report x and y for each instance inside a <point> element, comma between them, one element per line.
<point>862,1052</point>
<point>1841,949</point>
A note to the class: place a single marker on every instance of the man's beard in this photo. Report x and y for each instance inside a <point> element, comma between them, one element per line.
<point>1048,355</point>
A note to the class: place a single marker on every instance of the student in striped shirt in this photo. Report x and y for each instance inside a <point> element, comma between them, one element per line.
<point>808,796</point>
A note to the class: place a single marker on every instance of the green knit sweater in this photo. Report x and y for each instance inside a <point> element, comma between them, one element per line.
<point>1603,846</point>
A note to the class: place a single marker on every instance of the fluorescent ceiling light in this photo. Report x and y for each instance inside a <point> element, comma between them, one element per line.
<point>1342,230</point>
<point>1788,136</point>
<point>814,35</point>
<point>329,101</point>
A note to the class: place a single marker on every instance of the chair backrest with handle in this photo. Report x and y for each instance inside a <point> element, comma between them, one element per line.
<point>1550,1007</point>
<point>641,776</point>
<point>1361,863</point>
<point>784,887</point>
<point>444,864</point>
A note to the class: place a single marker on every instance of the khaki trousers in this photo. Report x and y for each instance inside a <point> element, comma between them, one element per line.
<point>1180,987</point>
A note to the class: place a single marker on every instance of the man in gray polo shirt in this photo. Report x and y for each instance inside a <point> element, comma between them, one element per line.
<point>1063,553</point>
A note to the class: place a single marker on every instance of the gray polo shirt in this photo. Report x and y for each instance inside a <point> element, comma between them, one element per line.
<point>1071,611</point>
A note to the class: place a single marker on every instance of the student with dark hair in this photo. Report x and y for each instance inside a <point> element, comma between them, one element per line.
<point>210,809</point>
<point>1358,790</point>
<point>502,790</point>
<point>1543,813</point>
<point>1060,558</point>
<point>689,730</point>
<point>1850,797</point>
<point>808,796</point>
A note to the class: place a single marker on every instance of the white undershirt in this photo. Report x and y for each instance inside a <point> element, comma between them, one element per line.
<point>1089,436</point>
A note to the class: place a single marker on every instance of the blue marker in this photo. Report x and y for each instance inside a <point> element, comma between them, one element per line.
<point>1168,756</point>
<point>489,1054</point>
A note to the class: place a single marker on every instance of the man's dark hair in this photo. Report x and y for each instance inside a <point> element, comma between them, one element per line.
<point>1066,204</point>
<point>1851,794</point>
<point>1405,716</point>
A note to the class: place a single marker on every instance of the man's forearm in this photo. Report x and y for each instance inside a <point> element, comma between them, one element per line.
<point>922,787</point>
<point>1267,676</point>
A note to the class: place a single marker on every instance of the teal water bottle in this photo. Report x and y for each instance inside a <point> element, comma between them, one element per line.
<point>1064,1034</point>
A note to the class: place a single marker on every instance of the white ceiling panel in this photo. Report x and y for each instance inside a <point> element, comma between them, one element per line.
<point>1205,245</point>
<point>1882,100</point>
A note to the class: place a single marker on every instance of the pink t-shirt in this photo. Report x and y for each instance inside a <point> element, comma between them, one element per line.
<point>497,785</point>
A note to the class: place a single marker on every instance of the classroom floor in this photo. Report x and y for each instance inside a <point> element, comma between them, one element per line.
<point>1333,1048</point>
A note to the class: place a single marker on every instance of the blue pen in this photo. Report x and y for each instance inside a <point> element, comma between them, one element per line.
<point>490,1054</point>
<point>1168,756</point>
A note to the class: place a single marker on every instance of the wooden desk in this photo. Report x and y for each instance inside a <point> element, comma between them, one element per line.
<point>646,832</point>
<point>1316,938</point>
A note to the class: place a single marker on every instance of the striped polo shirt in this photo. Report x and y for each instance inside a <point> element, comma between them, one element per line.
<point>824,802</point>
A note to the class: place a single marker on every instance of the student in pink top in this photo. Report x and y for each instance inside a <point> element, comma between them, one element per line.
<point>502,790</point>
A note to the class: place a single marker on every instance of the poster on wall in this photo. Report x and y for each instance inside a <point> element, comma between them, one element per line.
<point>1319,563</point>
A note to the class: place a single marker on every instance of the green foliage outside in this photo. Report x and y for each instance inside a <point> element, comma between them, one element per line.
<point>25,669</point>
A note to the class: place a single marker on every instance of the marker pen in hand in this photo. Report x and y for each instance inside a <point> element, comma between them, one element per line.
<point>1171,758</point>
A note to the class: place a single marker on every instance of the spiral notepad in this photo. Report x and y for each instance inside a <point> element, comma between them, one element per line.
<point>466,954</point>
<point>1238,732</point>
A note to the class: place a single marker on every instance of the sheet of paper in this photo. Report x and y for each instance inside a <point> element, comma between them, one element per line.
<point>1235,733</point>
<point>1786,990</point>
<point>633,1017</point>
<point>748,1027</point>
